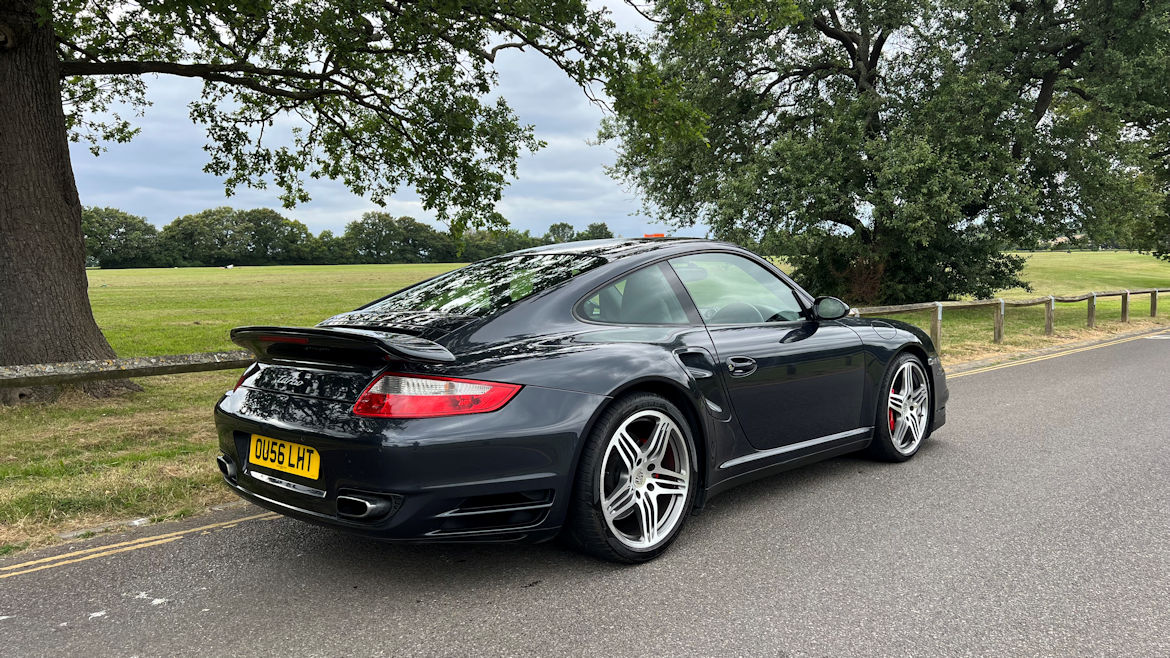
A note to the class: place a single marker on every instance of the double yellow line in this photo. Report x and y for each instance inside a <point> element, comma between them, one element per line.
<point>121,547</point>
<point>1050,356</point>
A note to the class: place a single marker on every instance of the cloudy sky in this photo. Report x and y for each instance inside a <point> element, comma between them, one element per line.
<point>159,175</point>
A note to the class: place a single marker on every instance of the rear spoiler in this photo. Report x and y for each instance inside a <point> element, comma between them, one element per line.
<point>316,343</point>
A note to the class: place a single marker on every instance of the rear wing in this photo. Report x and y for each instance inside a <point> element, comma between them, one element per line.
<point>336,344</point>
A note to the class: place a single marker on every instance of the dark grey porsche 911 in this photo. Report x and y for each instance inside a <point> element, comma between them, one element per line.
<point>601,390</point>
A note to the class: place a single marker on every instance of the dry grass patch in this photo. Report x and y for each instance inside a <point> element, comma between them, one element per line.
<point>81,463</point>
<point>967,333</point>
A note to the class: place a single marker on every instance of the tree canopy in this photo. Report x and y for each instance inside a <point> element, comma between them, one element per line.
<point>595,231</point>
<point>891,150</point>
<point>262,236</point>
<point>373,93</point>
<point>378,94</point>
<point>115,238</point>
<point>560,232</point>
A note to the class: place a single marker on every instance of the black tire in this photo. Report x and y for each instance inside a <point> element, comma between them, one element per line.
<point>586,528</point>
<point>883,447</point>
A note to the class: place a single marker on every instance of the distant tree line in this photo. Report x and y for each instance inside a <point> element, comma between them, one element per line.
<point>262,236</point>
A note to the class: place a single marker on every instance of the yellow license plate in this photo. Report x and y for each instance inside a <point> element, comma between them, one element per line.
<point>285,456</point>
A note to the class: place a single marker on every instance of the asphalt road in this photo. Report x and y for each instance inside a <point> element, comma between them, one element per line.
<point>1037,522</point>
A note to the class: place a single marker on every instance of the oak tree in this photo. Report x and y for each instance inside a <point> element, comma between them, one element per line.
<point>595,231</point>
<point>890,150</point>
<point>114,238</point>
<point>380,94</point>
<point>560,232</point>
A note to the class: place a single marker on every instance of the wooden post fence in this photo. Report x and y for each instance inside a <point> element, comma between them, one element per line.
<point>936,325</point>
<point>75,372</point>
<point>999,307</point>
<point>42,374</point>
<point>997,334</point>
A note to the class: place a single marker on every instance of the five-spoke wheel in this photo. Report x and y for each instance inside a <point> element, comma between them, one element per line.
<point>644,479</point>
<point>635,486</point>
<point>904,420</point>
<point>908,408</point>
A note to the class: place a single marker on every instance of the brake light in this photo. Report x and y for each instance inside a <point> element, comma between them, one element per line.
<point>296,340</point>
<point>419,396</point>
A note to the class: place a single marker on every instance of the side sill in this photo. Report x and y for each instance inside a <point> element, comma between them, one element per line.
<point>793,461</point>
<point>797,447</point>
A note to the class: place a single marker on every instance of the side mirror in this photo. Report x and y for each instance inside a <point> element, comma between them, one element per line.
<point>829,308</point>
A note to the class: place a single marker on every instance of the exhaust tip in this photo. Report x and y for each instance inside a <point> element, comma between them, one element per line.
<point>363,508</point>
<point>226,466</point>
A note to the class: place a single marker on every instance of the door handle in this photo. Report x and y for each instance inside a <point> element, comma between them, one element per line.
<point>741,366</point>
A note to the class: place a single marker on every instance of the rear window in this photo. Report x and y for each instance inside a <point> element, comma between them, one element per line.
<point>644,297</point>
<point>487,286</point>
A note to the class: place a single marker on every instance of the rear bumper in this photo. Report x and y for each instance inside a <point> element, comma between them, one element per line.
<point>500,476</point>
<point>941,393</point>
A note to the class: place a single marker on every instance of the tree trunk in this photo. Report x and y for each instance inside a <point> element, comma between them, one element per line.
<point>44,304</point>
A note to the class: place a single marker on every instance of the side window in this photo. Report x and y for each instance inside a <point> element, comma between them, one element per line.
<point>730,289</point>
<point>644,297</point>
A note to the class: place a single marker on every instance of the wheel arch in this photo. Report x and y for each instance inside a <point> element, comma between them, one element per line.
<point>917,349</point>
<point>677,395</point>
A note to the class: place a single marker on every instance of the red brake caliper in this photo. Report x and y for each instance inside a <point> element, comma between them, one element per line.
<point>891,414</point>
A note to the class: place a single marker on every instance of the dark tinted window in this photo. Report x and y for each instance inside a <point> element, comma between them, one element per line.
<point>644,297</point>
<point>490,285</point>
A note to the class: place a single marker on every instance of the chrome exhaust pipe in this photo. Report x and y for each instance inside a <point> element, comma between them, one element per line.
<point>362,507</point>
<point>226,466</point>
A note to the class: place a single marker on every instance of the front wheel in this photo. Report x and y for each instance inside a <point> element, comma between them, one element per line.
<point>904,411</point>
<point>636,481</point>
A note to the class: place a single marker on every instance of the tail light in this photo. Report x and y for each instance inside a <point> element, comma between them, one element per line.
<point>419,396</point>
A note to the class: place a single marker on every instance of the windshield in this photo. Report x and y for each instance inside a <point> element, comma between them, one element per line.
<point>487,286</point>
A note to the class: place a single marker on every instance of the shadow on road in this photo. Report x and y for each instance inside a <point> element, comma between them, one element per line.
<point>757,508</point>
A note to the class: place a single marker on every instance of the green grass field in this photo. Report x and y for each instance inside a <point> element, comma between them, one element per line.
<point>183,310</point>
<point>967,333</point>
<point>177,311</point>
<point>81,463</point>
<point>1060,273</point>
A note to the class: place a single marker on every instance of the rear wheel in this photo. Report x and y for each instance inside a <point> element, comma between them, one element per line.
<point>635,483</point>
<point>903,421</point>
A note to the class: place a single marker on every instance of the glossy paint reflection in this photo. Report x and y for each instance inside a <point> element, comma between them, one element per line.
<point>518,325</point>
<point>808,381</point>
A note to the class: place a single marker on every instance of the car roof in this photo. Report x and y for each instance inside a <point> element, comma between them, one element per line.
<point>615,248</point>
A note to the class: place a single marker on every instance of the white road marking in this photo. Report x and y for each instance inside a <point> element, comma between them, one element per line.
<point>99,613</point>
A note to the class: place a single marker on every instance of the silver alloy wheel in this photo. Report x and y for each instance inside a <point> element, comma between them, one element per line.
<point>908,407</point>
<point>645,477</point>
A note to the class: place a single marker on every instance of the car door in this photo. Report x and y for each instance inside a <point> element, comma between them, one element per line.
<point>791,379</point>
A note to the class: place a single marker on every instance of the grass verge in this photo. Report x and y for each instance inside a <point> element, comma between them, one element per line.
<point>967,333</point>
<point>81,463</point>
